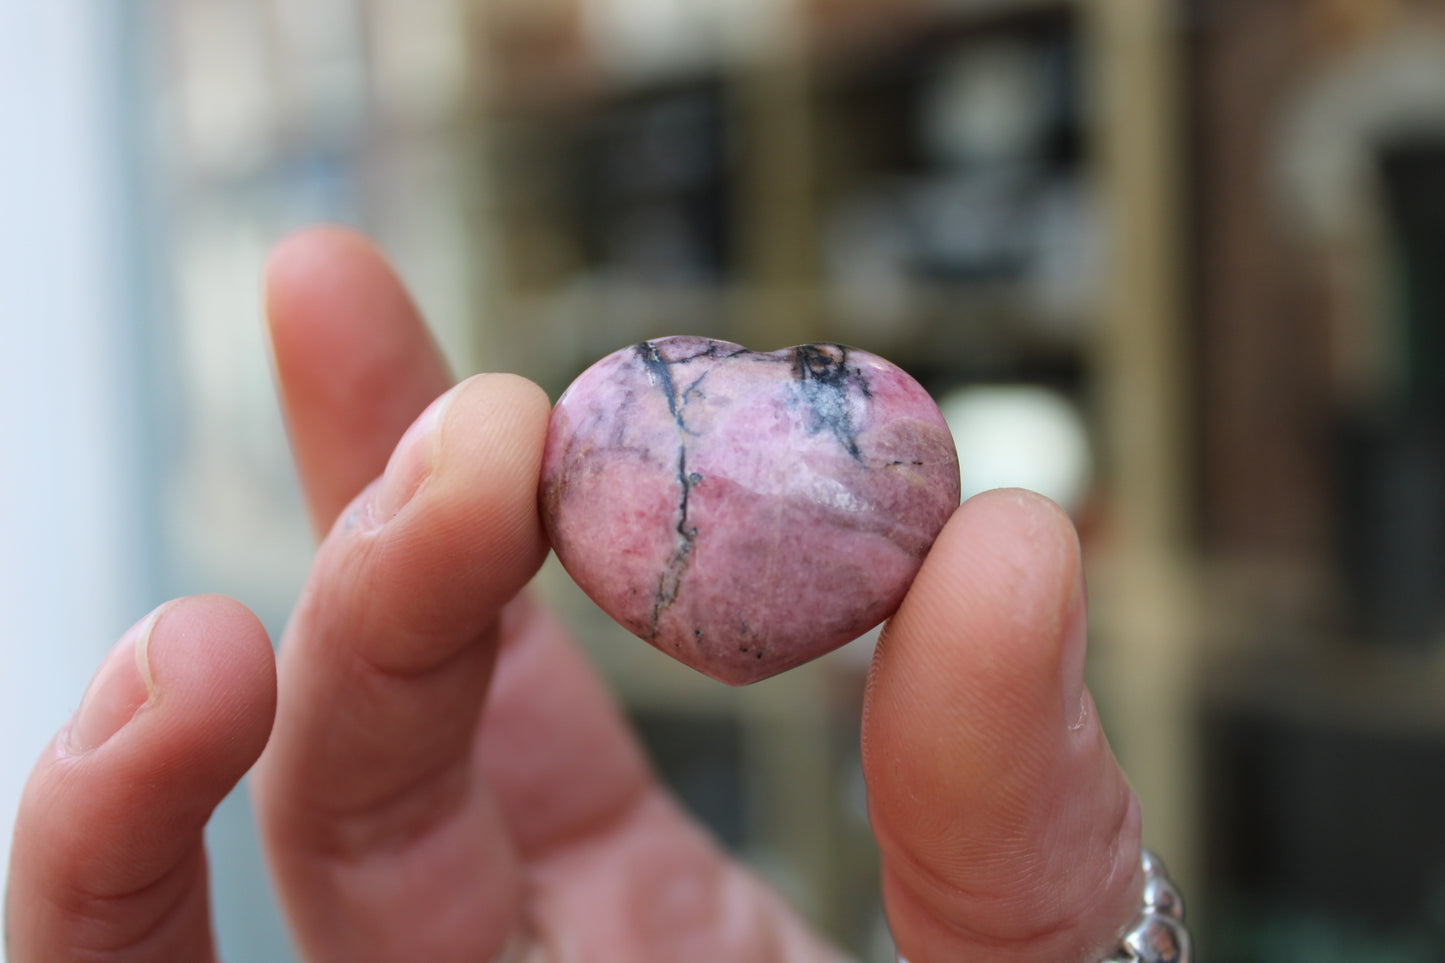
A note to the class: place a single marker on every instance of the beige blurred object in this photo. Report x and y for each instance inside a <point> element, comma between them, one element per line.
<point>1147,611</point>
<point>420,59</point>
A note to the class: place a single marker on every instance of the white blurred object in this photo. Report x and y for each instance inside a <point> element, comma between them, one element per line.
<point>989,104</point>
<point>222,79</point>
<point>654,37</point>
<point>1020,436</point>
<point>644,39</point>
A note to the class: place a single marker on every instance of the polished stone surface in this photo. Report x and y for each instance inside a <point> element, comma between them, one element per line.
<point>746,512</point>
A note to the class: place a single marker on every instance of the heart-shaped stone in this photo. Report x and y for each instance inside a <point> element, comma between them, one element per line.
<point>746,512</point>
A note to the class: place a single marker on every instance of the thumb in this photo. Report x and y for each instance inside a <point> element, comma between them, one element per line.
<point>107,862</point>
<point>1008,832</point>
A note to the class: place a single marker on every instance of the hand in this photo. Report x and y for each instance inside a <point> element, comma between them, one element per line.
<point>446,777</point>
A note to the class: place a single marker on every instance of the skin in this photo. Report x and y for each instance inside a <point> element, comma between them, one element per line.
<point>439,775</point>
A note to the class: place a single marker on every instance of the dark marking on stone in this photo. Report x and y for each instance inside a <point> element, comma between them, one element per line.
<point>713,350</point>
<point>709,352</point>
<point>657,366</point>
<point>693,389</point>
<point>669,582</point>
<point>823,383</point>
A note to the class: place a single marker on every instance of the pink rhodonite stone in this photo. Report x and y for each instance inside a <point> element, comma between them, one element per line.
<point>746,512</point>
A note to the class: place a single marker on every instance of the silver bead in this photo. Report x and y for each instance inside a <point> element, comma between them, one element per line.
<point>1159,939</point>
<point>1153,865</point>
<point>1161,897</point>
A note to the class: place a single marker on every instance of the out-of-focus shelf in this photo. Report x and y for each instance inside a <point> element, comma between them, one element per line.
<point>968,326</point>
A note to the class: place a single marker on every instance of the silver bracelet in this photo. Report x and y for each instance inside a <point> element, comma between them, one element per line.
<point>1157,934</point>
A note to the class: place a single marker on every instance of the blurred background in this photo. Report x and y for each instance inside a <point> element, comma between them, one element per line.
<point>1179,264</point>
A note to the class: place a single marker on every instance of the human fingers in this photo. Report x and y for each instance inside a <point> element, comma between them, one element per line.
<point>108,861</point>
<point>1007,830</point>
<point>354,362</point>
<point>384,841</point>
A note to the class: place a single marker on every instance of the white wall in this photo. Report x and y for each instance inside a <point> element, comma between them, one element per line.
<point>67,492</point>
<point>70,581</point>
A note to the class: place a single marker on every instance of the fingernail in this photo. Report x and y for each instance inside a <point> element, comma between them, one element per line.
<point>1075,648</point>
<point>120,687</point>
<point>411,462</point>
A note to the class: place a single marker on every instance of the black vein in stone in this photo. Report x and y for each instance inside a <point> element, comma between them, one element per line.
<point>823,383</point>
<point>713,350</point>
<point>670,580</point>
<point>692,389</point>
<point>658,367</point>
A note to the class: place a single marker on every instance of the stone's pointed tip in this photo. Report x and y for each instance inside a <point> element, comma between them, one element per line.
<point>731,503</point>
